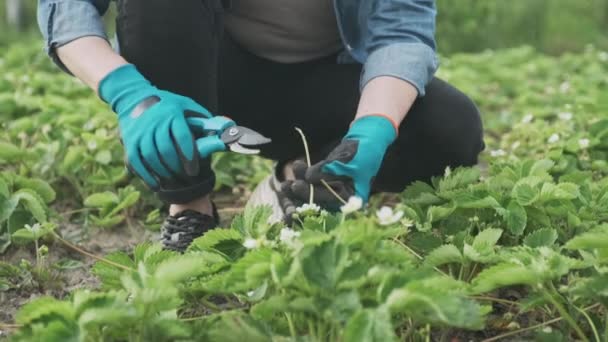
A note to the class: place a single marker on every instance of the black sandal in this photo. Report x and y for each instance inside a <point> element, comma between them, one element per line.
<point>178,231</point>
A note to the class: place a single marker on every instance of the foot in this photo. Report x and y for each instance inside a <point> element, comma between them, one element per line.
<point>181,228</point>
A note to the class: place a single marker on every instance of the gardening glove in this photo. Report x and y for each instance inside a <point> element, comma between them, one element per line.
<point>158,142</point>
<point>350,168</point>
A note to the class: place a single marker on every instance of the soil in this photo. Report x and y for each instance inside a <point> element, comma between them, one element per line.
<point>96,241</point>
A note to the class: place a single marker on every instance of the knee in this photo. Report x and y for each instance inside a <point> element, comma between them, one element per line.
<point>457,127</point>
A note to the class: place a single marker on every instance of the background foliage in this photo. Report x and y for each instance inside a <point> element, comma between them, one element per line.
<point>552,26</point>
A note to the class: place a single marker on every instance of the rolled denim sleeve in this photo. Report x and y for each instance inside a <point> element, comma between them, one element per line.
<point>62,21</point>
<point>401,42</point>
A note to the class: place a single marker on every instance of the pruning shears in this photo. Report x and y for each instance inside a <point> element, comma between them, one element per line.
<point>209,132</point>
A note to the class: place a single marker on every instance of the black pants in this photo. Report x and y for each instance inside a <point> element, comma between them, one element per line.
<point>180,46</point>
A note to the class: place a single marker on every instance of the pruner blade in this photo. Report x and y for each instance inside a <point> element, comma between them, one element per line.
<point>242,140</point>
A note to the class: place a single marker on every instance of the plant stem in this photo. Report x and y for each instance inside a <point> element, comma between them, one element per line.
<point>311,330</point>
<point>307,153</point>
<point>606,324</point>
<point>591,324</point>
<point>91,255</point>
<point>292,329</point>
<point>333,192</point>
<point>533,327</point>
<point>497,300</point>
<point>416,254</point>
<point>550,296</point>
<point>37,254</point>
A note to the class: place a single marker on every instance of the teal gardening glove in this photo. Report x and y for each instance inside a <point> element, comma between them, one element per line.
<point>154,127</point>
<point>351,167</point>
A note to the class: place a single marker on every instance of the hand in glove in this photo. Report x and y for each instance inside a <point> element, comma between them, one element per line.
<point>351,167</point>
<point>153,123</point>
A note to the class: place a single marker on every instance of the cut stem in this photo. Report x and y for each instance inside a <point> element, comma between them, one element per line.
<point>91,255</point>
<point>307,153</point>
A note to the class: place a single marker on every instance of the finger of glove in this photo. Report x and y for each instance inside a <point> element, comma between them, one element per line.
<point>208,145</point>
<point>318,172</point>
<point>299,168</point>
<point>151,157</point>
<point>136,165</point>
<point>203,126</point>
<point>362,186</point>
<point>193,109</point>
<point>301,190</point>
<point>184,141</point>
<point>166,149</point>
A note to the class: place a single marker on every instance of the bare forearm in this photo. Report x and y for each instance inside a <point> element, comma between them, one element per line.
<point>389,96</point>
<point>90,59</point>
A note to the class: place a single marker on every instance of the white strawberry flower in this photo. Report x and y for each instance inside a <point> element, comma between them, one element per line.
<point>515,145</point>
<point>308,208</point>
<point>406,222</point>
<point>289,237</point>
<point>553,138</point>
<point>584,143</point>
<point>564,87</point>
<point>252,243</point>
<point>527,118</point>
<point>354,203</point>
<point>603,56</point>
<point>92,145</point>
<point>566,116</point>
<point>498,153</point>
<point>386,216</point>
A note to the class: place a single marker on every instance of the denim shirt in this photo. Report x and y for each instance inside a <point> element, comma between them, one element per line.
<point>389,37</point>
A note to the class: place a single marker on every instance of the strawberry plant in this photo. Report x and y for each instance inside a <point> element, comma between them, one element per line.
<point>514,247</point>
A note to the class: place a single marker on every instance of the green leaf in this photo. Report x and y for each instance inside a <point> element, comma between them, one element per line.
<point>435,213</point>
<point>516,218</point>
<point>4,192</point>
<point>590,288</point>
<point>43,309</point>
<point>108,221</point>
<point>459,178</point>
<point>502,275</point>
<point>42,188</point>
<point>10,152</point>
<point>469,201</point>
<point>32,202</point>
<point>541,237</point>
<point>370,325</point>
<point>323,264</point>
<point>32,233</point>
<point>73,159</point>
<point>216,236</point>
<point>444,254</point>
<point>103,157</point>
<point>562,191</point>
<point>109,274</point>
<point>431,305</point>
<point>127,202</point>
<point>248,272</point>
<point>524,194</point>
<point>236,326</point>
<point>266,309</point>
<point>541,168</point>
<point>7,207</point>
<point>179,268</point>
<point>101,200</point>
<point>487,238</point>
<point>596,238</point>
<point>225,241</point>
